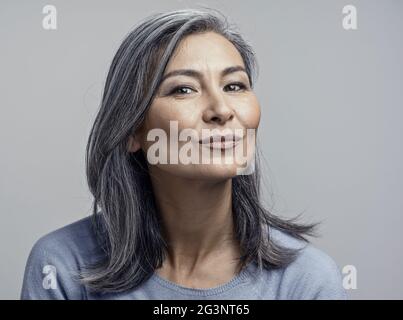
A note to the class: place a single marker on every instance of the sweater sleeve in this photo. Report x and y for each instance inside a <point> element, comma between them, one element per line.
<point>51,272</point>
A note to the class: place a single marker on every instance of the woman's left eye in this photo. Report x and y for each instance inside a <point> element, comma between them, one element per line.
<point>237,86</point>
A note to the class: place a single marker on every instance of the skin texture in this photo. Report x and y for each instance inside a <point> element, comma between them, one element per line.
<point>194,200</point>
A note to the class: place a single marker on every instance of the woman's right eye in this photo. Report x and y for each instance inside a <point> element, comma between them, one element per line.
<point>180,90</point>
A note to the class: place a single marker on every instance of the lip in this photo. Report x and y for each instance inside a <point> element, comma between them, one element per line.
<point>223,142</point>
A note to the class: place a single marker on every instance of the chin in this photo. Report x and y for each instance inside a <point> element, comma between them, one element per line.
<point>212,172</point>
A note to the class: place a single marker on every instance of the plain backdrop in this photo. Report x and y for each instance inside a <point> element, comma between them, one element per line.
<point>330,132</point>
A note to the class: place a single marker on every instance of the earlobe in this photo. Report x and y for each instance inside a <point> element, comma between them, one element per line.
<point>133,144</point>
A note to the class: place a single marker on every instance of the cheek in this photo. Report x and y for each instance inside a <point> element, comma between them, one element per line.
<point>160,114</point>
<point>249,113</point>
<point>158,117</point>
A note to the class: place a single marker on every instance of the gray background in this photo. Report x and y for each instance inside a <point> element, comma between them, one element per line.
<point>331,128</point>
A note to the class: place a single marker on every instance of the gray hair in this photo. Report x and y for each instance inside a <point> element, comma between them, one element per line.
<point>128,226</point>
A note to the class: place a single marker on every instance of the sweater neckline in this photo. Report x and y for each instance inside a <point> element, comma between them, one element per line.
<point>241,277</point>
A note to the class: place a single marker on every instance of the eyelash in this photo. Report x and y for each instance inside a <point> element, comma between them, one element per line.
<point>240,84</point>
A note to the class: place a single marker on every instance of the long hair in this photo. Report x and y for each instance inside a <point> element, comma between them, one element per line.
<point>127,225</point>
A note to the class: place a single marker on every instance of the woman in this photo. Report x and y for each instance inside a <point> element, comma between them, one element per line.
<point>184,228</point>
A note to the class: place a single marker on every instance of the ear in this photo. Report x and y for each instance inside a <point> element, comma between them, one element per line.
<point>133,144</point>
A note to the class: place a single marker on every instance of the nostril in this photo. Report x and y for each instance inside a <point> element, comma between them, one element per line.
<point>215,119</point>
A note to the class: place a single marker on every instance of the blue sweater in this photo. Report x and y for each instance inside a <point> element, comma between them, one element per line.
<point>57,257</point>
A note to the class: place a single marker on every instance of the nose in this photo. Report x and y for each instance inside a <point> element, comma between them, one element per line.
<point>218,110</point>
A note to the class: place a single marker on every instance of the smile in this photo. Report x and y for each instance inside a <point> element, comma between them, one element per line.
<point>221,141</point>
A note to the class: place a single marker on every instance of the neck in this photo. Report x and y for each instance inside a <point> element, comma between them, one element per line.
<point>197,219</point>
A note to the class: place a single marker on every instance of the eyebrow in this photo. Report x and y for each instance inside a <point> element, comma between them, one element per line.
<point>196,74</point>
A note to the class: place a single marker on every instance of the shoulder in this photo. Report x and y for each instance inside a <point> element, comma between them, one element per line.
<point>55,260</point>
<point>75,241</point>
<point>312,275</point>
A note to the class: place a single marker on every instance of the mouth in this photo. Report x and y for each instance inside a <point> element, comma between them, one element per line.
<point>222,142</point>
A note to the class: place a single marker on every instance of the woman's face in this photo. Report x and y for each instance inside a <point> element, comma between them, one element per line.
<point>203,98</point>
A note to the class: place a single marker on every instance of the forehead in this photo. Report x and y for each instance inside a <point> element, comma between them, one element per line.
<point>208,49</point>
